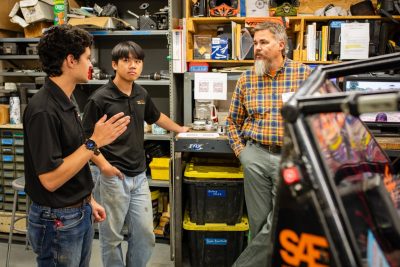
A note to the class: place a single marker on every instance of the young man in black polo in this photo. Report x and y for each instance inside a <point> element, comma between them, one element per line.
<point>124,191</point>
<point>57,174</point>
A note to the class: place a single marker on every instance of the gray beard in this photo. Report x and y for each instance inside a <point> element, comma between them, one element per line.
<point>261,67</point>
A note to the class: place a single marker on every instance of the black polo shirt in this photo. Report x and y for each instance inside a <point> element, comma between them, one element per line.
<point>52,132</point>
<point>127,151</point>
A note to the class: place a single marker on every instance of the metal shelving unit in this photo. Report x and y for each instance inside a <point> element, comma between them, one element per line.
<point>22,74</point>
<point>7,57</point>
<point>139,81</point>
<point>127,33</point>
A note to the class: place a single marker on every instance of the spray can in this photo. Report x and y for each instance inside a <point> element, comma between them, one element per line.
<point>15,109</point>
<point>59,12</point>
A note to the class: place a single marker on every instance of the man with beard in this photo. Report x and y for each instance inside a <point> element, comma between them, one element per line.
<point>255,131</point>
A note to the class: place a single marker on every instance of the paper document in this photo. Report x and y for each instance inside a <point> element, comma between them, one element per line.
<point>198,135</point>
<point>354,43</point>
<point>209,86</point>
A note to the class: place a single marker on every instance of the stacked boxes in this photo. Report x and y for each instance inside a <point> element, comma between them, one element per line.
<point>214,220</point>
<point>12,166</point>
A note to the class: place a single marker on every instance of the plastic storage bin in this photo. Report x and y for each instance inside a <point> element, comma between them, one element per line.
<point>214,200</point>
<point>159,168</point>
<point>215,244</point>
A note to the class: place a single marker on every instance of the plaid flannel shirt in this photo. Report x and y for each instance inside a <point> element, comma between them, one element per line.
<point>256,104</point>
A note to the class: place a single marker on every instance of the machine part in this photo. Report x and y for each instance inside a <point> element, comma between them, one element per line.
<point>199,8</point>
<point>32,49</point>
<point>199,125</point>
<point>145,21</point>
<point>144,6</point>
<point>9,49</point>
<point>155,76</point>
<point>161,19</point>
<point>97,74</point>
<point>109,10</point>
<point>158,21</point>
<point>132,13</point>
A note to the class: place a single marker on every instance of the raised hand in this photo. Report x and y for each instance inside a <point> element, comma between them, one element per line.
<point>106,131</point>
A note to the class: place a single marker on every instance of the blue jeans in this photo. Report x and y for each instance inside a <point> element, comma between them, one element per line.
<point>126,201</point>
<point>96,181</point>
<point>61,237</point>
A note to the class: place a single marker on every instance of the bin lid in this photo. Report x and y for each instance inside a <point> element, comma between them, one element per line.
<point>160,163</point>
<point>212,171</point>
<point>215,227</point>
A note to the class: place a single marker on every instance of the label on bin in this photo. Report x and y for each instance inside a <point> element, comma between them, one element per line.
<point>216,241</point>
<point>216,193</point>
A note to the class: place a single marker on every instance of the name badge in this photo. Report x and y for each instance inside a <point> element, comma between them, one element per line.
<point>286,96</point>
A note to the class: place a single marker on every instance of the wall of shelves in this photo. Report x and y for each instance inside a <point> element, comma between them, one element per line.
<point>296,32</point>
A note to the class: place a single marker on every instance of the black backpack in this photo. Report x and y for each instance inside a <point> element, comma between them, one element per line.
<point>387,8</point>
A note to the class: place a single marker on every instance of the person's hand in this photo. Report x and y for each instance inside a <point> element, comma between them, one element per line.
<point>111,171</point>
<point>98,212</point>
<point>184,129</point>
<point>106,131</point>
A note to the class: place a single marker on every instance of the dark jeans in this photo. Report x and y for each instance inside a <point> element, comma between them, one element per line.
<point>61,237</point>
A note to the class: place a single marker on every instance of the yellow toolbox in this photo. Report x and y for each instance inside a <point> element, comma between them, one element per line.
<point>159,168</point>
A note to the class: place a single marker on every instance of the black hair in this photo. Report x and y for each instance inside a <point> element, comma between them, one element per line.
<point>60,41</point>
<point>126,49</point>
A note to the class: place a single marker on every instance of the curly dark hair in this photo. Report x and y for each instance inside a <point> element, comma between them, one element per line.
<point>57,43</point>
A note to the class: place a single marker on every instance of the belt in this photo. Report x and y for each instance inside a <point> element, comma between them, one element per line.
<point>80,203</point>
<point>274,149</point>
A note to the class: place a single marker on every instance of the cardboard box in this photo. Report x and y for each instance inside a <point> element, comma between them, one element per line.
<point>97,22</point>
<point>310,6</point>
<point>35,29</point>
<point>73,4</point>
<point>5,23</point>
<point>8,34</point>
<point>37,10</point>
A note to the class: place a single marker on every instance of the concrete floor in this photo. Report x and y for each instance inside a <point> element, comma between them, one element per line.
<point>24,258</point>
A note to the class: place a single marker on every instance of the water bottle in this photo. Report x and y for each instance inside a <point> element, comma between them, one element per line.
<point>15,110</point>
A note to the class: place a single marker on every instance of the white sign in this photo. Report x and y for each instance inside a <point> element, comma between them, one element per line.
<point>354,43</point>
<point>210,86</point>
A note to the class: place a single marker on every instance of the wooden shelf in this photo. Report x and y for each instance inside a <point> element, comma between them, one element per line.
<point>297,28</point>
<point>319,62</point>
<point>216,20</point>
<point>222,61</point>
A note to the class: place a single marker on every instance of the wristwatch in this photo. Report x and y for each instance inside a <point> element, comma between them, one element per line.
<point>91,145</point>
